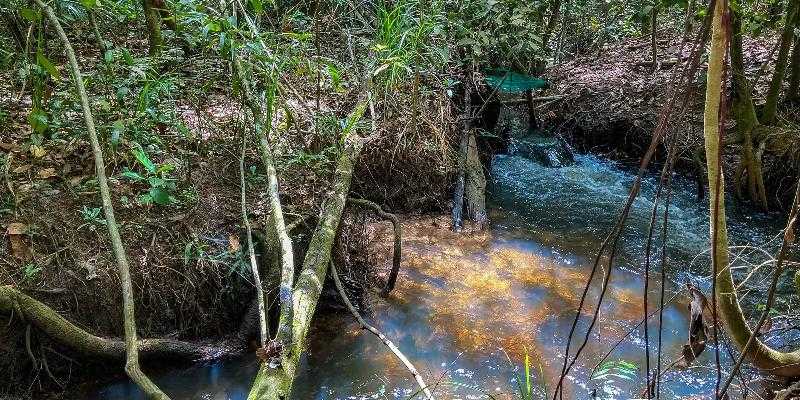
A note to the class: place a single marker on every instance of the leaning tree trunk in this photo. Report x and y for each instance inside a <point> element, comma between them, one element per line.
<point>761,355</point>
<point>771,105</point>
<point>123,269</point>
<point>275,382</point>
<point>747,124</point>
<point>263,125</point>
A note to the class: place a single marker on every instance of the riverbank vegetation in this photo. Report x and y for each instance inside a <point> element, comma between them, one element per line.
<point>180,176</point>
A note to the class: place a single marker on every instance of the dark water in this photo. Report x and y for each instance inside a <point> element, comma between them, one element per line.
<point>469,307</point>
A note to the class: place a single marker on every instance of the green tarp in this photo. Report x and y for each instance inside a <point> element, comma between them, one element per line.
<point>513,82</point>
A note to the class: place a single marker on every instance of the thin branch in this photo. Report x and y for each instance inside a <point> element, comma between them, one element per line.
<point>398,238</point>
<point>400,356</point>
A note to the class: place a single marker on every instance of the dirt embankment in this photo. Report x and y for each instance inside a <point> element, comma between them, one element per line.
<point>613,99</point>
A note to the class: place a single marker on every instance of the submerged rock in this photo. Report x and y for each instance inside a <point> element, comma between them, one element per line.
<point>545,150</point>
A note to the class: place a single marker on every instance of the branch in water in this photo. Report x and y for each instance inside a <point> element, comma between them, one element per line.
<point>376,332</point>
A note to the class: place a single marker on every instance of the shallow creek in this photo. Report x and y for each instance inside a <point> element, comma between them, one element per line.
<point>469,307</point>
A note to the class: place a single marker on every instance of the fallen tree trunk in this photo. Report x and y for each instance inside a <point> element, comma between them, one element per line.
<point>85,343</point>
<point>274,382</point>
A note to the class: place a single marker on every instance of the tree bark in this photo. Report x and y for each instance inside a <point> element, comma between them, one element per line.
<point>153,21</point>
<point>555,13</point>
<point>746,119</point>
<point>276,383</point>
<point>771,106</point>
<point>463,146</point>
<point>263,125</point>
<point>85,343</point>
<point>761,355</point>
<point>792,93</point>
<point>123,269</point>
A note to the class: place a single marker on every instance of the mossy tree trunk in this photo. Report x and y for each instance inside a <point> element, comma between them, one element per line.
<point>153,21</point>
<point>32,311</point>
<point>747,122</point>
<point>734,320</point>
<point>276,383</point>
<point>793,92</point>
<point>773,93</point>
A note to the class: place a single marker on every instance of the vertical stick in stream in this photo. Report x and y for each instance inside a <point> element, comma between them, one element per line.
<point>463,148</point>
<point>132,367</point>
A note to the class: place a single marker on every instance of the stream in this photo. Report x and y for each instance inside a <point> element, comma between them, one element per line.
<point>469,308</point>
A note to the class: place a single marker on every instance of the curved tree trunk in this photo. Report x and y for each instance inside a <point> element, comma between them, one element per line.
<point>123,269</point>
<point>734,320</point>
<point>398,239</point>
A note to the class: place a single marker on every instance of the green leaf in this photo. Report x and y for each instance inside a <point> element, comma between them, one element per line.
<point>160,196</point>
<point>132,175</point>
<point>258,6</point>
<point>90,4</point>
<point>47,65</point>
<point>143,159</point>
<point>29,14</point>
<point>527,374</point>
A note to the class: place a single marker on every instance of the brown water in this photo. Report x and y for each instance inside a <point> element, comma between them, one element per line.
<point>469,307</point>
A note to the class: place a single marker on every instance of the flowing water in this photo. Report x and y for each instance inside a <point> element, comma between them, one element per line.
<point>470,307</point>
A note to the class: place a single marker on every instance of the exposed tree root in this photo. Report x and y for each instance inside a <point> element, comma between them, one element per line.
<point>364,325</point>
<point>398,238</point>
<point>65,332</point>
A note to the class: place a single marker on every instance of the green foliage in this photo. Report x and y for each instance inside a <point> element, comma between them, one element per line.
<point>497,33</point>
<point>161,186</point>
<point>91,217</point>
<point>409,37</point>
<point>30,272</point>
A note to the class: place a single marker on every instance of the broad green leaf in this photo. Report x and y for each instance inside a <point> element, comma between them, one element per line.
<point>47,65</point>
<point>29,14</point>
<point>143,159</point>
<point>132,175</point>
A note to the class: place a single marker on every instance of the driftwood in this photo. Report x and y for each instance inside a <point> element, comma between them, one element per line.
<point>364,325</point>
<point>398,238</point>
<point>700,319</point>
<point>65,332</point>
